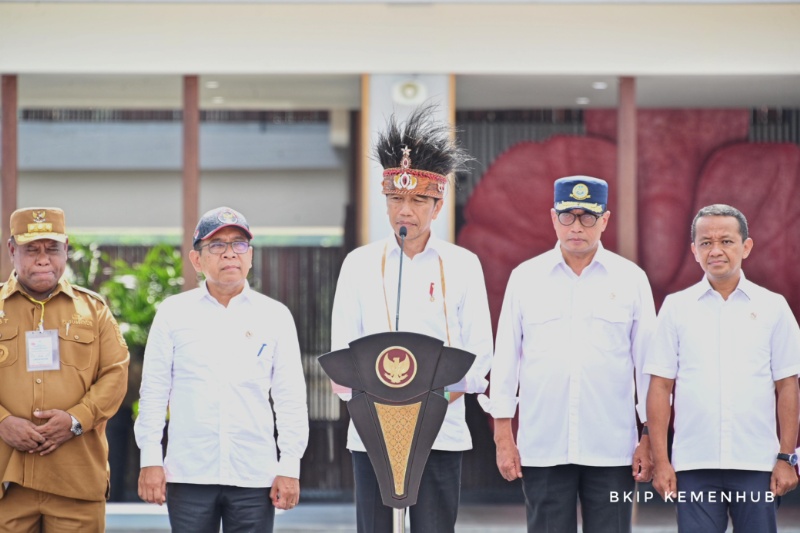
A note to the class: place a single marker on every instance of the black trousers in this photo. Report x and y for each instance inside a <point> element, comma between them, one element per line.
<point>706,496</point>
<point>437,505</point>
<point>552,493</point>
<point>200,508</point>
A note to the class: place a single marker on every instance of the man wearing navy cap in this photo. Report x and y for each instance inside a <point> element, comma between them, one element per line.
<point>572,331</point>
<point>215,355</point>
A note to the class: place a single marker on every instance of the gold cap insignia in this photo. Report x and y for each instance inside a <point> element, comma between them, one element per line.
<point>38,216</point>
<point>396,367</point>
<point>580,192</point>
<point>227,217</point>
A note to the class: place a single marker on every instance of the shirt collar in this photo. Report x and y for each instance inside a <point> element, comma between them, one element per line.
<point>601,257</point>
<point>432,244</point>
<point>745,286</point>
<point>13,285</point>
<point>245,295</point>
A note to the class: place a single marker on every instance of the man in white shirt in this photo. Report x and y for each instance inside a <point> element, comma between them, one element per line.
<point>572,332</point>
<point>215,356</point>
<point>443,296</point>
<point>728,346</point>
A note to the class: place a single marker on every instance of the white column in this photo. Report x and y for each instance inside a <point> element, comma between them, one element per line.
<point>398,94</point>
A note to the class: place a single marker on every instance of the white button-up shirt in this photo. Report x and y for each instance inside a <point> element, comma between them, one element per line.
<point>215,367</point>
<point>725,356</point>
<point>360,309</point>
<point>572,345</point>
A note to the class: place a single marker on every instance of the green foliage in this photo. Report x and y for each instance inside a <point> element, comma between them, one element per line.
<point>134,291</point>
<point>86,265</point>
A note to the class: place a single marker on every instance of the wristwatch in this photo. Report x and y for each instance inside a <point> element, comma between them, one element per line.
<point>789,458</point>
<point>77,429</point>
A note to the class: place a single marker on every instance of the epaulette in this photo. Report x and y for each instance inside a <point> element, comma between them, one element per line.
<point>93,294</point>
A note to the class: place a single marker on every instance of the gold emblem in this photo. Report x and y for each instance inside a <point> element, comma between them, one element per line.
<point>396,367</point>
<point>3,353</point>
<point>40,227</point>
<point>227,217</point>
<point>580,192</point>
<point>38,216</point>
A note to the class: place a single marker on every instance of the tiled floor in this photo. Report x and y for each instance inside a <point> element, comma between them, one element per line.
<point>329,518</point>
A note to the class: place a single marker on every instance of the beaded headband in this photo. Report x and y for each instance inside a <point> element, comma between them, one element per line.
<point>407,180</point>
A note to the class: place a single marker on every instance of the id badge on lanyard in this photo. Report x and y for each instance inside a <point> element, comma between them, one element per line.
<point>41,348</point>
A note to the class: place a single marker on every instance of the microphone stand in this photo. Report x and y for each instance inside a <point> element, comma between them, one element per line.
<point>399,515</point>
<point>403,233</point>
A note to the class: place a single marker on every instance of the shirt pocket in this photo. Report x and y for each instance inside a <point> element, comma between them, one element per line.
<point>751,340</point>
<point>76,347</point>
<point>610,328</point>
<point>258,369</point>
<point>8,344</point>
<point>544,329</point>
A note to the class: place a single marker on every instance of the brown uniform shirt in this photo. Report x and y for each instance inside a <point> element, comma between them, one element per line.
<point>89,385</point>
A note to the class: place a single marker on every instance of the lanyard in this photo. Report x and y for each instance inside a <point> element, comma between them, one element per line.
<point>41,318</point>
<point>444,293</point>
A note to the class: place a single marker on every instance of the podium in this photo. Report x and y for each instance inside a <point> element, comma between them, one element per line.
<point>398,404</point>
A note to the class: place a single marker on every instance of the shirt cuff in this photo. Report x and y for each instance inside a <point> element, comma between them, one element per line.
<point>784,373</point>
<point>151,456</point>
<point>84,416</point>
<point>476,384</point>
<point>289,467</point>
<point>504,407</point>
<point>659,371</point>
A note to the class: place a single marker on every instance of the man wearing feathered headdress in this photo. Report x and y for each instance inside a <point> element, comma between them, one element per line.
<point>443,296</point>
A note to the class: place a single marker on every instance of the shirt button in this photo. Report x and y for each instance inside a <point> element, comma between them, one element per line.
<point>38,380</point>
<point>77,337</point>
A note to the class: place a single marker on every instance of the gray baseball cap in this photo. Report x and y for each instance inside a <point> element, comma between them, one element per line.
<point>216,219</point>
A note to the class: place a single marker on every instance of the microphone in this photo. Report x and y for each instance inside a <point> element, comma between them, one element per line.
<point>403,233</point>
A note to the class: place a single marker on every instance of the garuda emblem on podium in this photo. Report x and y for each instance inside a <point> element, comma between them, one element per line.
<point>396,367</point>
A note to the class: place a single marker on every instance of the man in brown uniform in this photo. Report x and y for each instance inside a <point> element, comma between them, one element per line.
<point>63,373</point>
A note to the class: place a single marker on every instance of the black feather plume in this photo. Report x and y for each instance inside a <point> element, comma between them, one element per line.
<point>430,141</point>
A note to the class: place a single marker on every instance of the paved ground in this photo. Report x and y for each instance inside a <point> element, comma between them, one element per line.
<point>331,518</point>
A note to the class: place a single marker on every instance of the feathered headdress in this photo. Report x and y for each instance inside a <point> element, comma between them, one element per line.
<point>419,156</point>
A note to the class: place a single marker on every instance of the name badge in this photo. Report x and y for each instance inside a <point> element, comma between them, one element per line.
<point>42,350</point>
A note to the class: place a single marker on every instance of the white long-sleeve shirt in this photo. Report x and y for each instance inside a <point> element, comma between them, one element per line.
<point>216,367</point>
<point>725,357</point>
<point>359,309</point>
<point>572,345</point>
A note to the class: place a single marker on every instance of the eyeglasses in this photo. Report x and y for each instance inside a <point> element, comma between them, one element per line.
<point>567,218</point>
<point>219,247</point>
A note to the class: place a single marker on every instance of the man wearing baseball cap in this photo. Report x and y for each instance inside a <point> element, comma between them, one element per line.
<point>63,374</point>
<point>215,355</point>
<point>572,332</point>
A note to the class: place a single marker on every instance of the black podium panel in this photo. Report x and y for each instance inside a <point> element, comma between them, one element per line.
<point>398,407</point>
